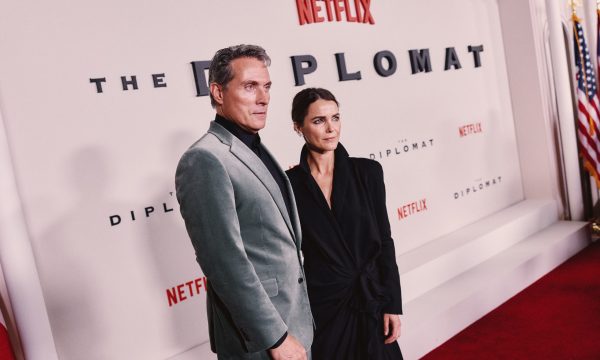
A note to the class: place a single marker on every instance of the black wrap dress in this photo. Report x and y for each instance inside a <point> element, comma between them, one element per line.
<point>349,259</point>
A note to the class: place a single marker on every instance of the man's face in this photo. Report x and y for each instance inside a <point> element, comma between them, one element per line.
<point>246,97</point>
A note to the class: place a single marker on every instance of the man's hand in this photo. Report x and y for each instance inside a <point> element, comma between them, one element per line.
<point>290,348</point>
<point>391,327</point>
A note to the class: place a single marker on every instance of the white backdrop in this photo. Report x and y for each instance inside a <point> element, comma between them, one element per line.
<point>80,157</point>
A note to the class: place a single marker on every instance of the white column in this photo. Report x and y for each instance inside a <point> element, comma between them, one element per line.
<point>564,100</point>
<point>16,257</point>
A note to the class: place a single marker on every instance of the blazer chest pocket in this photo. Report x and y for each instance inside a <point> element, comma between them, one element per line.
<point>270,286</point>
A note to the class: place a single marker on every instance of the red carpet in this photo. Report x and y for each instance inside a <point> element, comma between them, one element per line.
<point>557,317</point>
<point>5,350</point>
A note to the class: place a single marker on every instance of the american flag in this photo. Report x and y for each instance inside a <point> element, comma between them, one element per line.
<point>588,115</point>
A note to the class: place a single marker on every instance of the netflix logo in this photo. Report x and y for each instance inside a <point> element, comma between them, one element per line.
<point>187,290</point>
<point>470,129</point>
<point>412,208</point>
<point>316,11</point>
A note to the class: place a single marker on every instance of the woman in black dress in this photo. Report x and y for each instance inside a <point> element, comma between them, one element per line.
<point>350,262</point>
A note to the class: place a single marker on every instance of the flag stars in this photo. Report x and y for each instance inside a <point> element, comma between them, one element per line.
<point>586,76</point>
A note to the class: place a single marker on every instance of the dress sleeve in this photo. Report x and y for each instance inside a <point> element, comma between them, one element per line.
<point>387,259</point>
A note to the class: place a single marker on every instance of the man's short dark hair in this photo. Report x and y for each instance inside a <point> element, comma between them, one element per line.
<point>220,71</point>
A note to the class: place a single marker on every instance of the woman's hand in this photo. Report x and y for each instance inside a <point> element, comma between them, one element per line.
<point>391,327</point>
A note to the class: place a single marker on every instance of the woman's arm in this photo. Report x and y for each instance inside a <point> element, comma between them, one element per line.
<point>387,259</point>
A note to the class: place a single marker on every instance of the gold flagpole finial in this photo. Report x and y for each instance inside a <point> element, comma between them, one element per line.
<point>574,4</point>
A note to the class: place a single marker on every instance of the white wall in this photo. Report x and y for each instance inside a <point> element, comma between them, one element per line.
<point>79,157</point>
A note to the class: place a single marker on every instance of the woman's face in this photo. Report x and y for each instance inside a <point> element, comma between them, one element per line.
<point>322,125</point>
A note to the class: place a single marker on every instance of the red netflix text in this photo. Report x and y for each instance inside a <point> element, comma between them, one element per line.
<point>316,11</point>
<point>469,129</point>
<point>412,208</point>
<point>185,291</point>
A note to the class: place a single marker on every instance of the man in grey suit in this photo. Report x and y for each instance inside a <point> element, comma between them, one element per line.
<point>240,214</point>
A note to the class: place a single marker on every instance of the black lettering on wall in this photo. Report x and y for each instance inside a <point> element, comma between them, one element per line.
<point>420,60</point>
<point>343,74</point>
<point>476,50</point>
<point>391,63</point>
<point>199,68</point>
<point>300,70</point>
<point>159,80</point>
<point>98,82</point>
<point>126,83</point>
<point>451,59</point>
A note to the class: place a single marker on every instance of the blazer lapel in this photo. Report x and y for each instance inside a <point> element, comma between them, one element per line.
<point>341,180</point>
<point>253,162</point>
<point>295,215</point>
<point>294,223</point>
<point>317,194</point>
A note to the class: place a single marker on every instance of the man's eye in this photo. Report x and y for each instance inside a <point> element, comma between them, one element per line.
<point>249,86</point>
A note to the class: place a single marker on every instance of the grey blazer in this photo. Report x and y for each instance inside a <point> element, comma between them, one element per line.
<point>246,244</point>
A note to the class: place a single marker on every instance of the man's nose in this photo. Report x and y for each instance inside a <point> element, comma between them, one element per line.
<point>262,96</point>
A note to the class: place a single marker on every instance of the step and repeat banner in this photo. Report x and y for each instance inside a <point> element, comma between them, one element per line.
<point>100,99</point>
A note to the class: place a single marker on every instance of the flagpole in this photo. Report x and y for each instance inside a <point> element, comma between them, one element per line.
<point>575,19</point>
<point>597,42</point>
<point>587,100</point>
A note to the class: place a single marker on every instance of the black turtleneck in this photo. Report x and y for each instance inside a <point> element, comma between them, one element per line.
<point>252,141</point>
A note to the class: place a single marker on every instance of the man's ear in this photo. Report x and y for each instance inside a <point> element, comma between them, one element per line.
<point>216,91</point>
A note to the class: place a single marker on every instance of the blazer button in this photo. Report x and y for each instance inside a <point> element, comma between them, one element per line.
<point>300,280</point>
